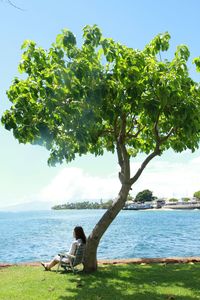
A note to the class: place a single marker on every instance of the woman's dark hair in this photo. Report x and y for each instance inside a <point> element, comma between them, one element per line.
<point>79,234</point>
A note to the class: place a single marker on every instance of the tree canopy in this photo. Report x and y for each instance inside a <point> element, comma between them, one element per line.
<point>84,205</point>
<point>173,200</point>
<point>76,100</point>
<point>144,196</point>
<point>197,195</point>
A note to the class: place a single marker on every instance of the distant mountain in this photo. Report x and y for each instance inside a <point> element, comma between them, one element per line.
<point>37,205</point>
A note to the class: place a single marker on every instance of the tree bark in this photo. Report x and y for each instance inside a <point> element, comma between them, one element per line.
<point>90,261</point>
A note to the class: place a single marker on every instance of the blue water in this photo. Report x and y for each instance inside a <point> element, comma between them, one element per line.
<point>36,236</point>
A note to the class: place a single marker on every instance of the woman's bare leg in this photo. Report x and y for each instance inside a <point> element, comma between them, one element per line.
<point>51,264</point>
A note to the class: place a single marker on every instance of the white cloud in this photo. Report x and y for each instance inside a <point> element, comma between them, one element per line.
<point>196,161</point>
<point>170,179</point>
<point>163,177</point>
<point>73,184</point>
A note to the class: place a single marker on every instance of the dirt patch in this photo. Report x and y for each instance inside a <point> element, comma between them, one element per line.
<point>167,260</point>
<point>6,265</point>
<point>150,260</point>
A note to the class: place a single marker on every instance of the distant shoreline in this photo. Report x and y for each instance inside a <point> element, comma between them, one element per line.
<point>147,209</point>
<point>165,209</point>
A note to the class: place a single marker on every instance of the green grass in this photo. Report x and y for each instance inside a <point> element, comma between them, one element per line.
<point>111,282</point>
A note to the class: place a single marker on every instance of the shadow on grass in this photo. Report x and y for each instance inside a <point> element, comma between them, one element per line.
<point>128,282</point>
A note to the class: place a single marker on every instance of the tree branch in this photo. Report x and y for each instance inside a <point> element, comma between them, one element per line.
<point>167,136</point>
<point>156,132</point>
<point>156,152</point>
<point>136,134</point>
<point>119,154</point>
<point>160,139</point>
<point>10,2</point>
<point>123,156</point>
<point>144,164</point>
<point>133,120</point>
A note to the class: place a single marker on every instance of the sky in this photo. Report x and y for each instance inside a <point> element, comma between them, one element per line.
<point>24,174</point>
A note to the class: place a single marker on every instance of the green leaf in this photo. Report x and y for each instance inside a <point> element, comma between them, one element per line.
<point>69,39</point>
<point>92,35</point>
<point>183,52</point>
<point>28,43</point>
<point>196,61</point>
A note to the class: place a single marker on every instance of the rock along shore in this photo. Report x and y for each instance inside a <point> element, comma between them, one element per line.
<point>167,260</point>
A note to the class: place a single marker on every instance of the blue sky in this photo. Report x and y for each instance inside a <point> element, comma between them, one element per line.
<point>25,176</point>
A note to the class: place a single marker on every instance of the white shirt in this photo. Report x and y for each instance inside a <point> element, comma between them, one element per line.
<point>74,245</point>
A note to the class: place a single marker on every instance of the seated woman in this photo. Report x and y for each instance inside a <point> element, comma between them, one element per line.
<point>80,238</point>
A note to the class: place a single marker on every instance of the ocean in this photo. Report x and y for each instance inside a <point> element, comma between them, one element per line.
<point>39,235</point>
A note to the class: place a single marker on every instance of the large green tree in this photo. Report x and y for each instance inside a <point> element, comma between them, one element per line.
<point>104,96</point>
<point>143,196</point>
<point>197,195</point>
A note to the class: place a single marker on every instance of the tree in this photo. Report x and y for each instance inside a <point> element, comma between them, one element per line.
<point>105,96</point>
<point>144,196</point>
<point>173,200</point>
<point>197,195</point>
<point>107,204</point>
<point>84,205</point>
<point>185,199</point>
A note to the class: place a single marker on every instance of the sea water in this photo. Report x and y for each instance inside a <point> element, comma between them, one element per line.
<point>37,236</point>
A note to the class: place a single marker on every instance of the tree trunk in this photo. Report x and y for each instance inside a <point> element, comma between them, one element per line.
<point>90,262</point>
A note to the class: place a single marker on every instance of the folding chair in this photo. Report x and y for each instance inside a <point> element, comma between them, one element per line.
<point>73,260</point>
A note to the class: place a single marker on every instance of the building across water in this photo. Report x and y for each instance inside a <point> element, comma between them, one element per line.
<point>163,204</point>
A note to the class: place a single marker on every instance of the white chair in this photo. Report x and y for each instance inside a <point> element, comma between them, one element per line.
<point>73,260</point>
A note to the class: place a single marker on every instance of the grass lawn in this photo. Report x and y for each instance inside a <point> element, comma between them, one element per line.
<point>111,282</point>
